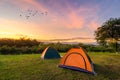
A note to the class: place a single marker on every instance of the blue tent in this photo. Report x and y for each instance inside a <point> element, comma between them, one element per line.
<point>50,53</point>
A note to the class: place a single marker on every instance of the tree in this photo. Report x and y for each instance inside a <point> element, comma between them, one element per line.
<point>109,32</point>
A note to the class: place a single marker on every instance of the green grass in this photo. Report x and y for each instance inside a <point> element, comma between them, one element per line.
<point>31,67</point>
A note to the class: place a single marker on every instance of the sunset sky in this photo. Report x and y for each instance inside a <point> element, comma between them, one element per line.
<point>55,19</point>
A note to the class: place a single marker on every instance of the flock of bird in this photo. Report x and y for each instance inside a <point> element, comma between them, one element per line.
<point>31,13</point>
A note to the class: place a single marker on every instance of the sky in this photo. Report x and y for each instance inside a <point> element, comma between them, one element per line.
<point>64,20</point>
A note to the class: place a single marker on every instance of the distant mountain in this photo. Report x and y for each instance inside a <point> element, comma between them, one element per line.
<point>76,40</point>
<point>67,39</point>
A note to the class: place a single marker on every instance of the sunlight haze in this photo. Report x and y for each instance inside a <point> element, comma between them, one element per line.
<point>55,19</point>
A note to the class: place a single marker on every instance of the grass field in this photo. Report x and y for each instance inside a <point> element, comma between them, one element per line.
<point>31,67</point>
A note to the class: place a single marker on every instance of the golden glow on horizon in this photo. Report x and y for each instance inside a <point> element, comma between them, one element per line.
<point>16,29</point>
<point>43,38</point>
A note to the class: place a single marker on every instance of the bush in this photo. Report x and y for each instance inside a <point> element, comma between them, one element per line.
<point>5,49</point>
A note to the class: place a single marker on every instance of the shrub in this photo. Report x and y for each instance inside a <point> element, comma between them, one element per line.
<point>4,49</point>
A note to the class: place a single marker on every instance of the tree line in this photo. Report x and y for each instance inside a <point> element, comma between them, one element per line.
<point>32,46</point>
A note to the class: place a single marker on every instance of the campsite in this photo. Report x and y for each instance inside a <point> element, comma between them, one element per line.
<point>59,39</point>
<point>32,67</point>
<point>40,65</point>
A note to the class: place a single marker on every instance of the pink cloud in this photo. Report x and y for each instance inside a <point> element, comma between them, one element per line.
<point>93,24</point>
<point>75,18</point>
<point>72,17</point>
<point>73,21</point>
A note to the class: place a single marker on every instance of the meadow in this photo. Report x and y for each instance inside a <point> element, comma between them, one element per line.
<point>32,67</point>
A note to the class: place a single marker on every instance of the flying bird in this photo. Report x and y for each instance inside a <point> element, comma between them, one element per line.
<point>35,13</point>
<point>20,15</point>
<point>42,13</point>
<point>27,17</point>
<point>29,13</point>
<point>45,12</point>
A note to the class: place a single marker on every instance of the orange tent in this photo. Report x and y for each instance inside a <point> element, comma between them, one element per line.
<point>77,59</point>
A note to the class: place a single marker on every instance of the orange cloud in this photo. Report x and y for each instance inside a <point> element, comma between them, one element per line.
<point>14,29</point>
